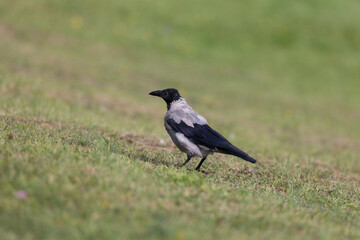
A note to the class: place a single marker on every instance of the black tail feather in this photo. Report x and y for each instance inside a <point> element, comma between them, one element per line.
<point>232,150</point>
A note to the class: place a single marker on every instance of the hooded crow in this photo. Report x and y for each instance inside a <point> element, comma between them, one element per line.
<point>190,131</point>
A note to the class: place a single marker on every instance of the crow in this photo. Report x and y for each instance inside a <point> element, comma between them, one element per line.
<point>190,131</point>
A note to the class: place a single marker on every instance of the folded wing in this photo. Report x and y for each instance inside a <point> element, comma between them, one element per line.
<point>205,136</point>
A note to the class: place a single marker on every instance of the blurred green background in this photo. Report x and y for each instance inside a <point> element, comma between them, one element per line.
<point>280,79</point>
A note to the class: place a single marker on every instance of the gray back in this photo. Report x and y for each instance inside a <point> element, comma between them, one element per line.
<point>181,111</point>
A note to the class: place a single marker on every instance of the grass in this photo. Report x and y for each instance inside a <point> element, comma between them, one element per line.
<point>83,150</point>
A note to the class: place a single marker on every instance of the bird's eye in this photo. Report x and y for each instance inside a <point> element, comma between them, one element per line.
<point>166,94</point>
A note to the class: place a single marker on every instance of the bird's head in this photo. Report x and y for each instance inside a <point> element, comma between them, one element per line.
<point>169,95</point>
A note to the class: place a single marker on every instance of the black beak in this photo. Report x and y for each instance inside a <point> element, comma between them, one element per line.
<point>156,93</point>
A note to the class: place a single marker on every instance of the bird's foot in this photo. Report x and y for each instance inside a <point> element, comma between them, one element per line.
<point>202,171</point>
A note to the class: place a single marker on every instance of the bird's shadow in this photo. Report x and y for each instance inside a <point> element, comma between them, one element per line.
<point>162,157</point>
<point>200,171</point>
<point>148,150</point>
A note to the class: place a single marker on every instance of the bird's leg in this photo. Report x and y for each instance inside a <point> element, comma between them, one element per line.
<point>186,161</point>
<point>201,162</point>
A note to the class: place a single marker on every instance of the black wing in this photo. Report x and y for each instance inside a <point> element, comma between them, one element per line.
<point>205,136</point>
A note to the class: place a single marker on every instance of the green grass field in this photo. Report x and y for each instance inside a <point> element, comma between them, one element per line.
<point>83,150</point>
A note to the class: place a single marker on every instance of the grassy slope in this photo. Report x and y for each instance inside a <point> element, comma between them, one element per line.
<point>80,135</point>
